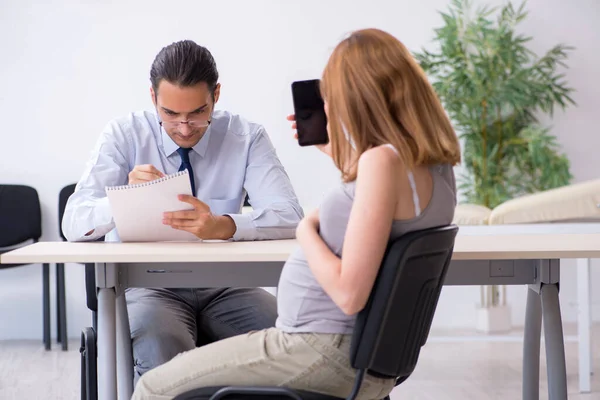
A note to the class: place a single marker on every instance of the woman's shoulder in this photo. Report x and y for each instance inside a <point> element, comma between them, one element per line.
<point>385,153</point>
<point>379,159</point>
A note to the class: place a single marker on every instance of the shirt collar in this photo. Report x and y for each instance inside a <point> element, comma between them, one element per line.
<point>171,147</point>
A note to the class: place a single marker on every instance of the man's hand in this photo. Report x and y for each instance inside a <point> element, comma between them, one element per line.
<point>144,173</point>
<point>200,221</point>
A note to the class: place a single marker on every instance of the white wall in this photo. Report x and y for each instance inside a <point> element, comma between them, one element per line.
<point>68,67</point>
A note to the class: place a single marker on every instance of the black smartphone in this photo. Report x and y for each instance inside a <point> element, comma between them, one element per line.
<point>309,109</point>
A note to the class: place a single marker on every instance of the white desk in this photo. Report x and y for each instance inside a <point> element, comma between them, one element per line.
<point>583,272</point>
<point>529,259</point>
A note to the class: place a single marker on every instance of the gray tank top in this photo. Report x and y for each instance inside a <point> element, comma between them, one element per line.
<point>302,304</point>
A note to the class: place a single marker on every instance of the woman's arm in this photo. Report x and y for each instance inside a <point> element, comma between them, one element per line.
<point>348,281</point>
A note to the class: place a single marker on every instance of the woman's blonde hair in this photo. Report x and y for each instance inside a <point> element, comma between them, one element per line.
<point>377,91</point>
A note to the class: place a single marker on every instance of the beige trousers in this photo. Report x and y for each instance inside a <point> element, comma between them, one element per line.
<point>308,361</point>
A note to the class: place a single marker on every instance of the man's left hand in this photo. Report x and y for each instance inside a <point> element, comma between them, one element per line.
<point>200,221</point>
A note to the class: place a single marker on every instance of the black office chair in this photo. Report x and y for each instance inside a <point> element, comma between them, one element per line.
<point>20,223</point>
<point>393,326</point>
<point>61,303</point>
<point>89,376</point>
<point>89,355</point>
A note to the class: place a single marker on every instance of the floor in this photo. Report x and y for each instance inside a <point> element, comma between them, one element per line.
<point>451,367</point>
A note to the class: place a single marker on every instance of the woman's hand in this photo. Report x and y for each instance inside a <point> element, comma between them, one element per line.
<point>292,118</point>
<point>308,225</point>
<point>313,217</point>
<point>325,148</point>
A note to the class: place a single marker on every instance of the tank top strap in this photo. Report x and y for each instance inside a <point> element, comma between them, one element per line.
<point>413,185</point>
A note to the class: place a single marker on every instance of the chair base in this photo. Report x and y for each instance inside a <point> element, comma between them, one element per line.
<point>251,393</point>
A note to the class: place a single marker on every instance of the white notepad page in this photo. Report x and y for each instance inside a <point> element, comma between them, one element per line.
<point>138,209</point>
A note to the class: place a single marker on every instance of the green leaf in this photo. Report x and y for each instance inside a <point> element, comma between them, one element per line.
<point>494,89</point>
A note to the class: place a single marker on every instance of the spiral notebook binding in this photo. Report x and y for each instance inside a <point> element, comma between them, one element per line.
<point>137,185</point>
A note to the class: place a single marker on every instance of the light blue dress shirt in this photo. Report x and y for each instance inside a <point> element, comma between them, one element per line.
<point>234,157</point>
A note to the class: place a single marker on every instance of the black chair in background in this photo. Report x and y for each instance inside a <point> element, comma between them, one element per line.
<point>61,304</point>
<point>393,326</point>
<point>88,336</point>
<point>89,390</point>
<point>88,349</point>
<point>20,225</point>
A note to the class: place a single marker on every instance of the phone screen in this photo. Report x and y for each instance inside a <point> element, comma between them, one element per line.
<point>309,109</point>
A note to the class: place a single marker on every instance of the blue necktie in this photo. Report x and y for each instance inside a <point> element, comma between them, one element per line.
<point>185,164</point>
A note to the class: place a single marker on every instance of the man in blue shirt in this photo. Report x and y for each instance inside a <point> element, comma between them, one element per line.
<point>227,157</point>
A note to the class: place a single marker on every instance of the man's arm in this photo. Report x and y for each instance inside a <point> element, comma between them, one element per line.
<point>276,211</point>
<point>87,214</point>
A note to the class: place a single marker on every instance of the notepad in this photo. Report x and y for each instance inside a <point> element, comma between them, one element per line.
<point>138,209</point>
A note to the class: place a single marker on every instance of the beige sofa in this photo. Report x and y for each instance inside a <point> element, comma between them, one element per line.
<point>579,202</point>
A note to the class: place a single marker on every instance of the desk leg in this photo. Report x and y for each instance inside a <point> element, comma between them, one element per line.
<point>531,346</point>
<point>584,319</point>
<point>124,350</point>
<point>106,280</point>
<point>107,360</point>
<point>107,346</point>
<point>555,345</point>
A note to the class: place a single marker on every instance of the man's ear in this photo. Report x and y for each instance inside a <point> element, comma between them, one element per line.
<point>153,95</point>
<point>217,93</point>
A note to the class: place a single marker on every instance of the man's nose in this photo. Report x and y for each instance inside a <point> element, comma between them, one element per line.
<point>185,129</point>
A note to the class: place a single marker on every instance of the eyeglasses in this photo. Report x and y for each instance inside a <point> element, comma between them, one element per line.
<point>192,123</point>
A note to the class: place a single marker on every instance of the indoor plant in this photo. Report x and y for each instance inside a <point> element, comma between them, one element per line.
<point>495,89</point>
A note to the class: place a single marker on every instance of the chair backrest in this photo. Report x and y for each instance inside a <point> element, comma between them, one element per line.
<point>20,215</point>
<point>90,277</point>
<point>395,323</point>
<point>64,195</point>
